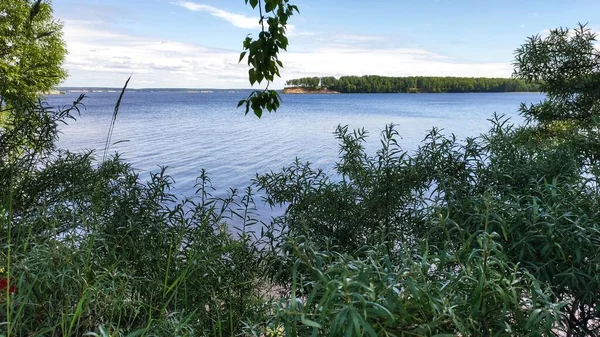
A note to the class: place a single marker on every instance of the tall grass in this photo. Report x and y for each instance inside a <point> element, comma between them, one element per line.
<point>114,119</point>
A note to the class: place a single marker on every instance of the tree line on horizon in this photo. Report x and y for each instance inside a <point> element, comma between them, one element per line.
<point>414,84</point>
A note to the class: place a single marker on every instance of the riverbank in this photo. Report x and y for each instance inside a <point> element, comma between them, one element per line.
<point>300,90</point>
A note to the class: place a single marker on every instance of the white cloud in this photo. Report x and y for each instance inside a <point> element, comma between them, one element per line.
<point>99,56</point>
<point>238,20</point>
<point>384,62</point>
<point>292,31</point>
<point>360,38</point>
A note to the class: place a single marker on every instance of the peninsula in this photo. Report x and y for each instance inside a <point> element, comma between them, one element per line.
<point>413,84</point>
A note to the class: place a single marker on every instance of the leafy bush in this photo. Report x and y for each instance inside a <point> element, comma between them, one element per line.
<point>452,204</point>
<point>497,234</point>
<point>472,292</point>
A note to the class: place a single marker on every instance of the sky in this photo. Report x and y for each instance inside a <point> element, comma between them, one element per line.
<point>196,43</point>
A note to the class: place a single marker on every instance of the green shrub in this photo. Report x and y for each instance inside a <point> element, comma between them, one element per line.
<point>88,244</point>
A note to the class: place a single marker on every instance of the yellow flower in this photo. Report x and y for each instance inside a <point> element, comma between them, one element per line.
<point>1,270</point>
<point>277,332</point>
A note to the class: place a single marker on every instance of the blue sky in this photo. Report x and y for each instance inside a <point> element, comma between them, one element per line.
<point>196,43</point>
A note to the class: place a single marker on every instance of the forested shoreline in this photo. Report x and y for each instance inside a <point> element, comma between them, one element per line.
<point>413,84</point>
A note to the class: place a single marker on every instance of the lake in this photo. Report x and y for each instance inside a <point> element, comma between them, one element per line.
<point>188,131</point>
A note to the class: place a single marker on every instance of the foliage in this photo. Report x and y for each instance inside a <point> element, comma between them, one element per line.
<point>262,53</point>
<point>495,235</point>
<point>31,51</point>
<point>526,197</point>
<point>89,245</point>
<point>529,201</point>
<point>85,244</point>
<point>472,292</point>
<point>383,84</point>
<point>529,192</point>
<point>568,67</point>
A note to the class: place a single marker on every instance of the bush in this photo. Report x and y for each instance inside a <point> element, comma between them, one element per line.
<point>495,200</point>
<point>87,244</point>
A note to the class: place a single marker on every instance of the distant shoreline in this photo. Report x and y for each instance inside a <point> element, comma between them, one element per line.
<point>411,84</point>
<point>305,91</point>
<point>118,89</point>
<point>287,90</point>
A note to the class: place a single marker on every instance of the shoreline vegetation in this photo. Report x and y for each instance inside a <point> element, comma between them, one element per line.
<point>494,235</point>
<point>412,84</point>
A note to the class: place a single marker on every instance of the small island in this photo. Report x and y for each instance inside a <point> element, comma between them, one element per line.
<point>412,84</point>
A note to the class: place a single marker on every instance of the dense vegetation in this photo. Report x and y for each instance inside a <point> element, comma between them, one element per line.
<point>496,235</point>
<point>413,84</point>
<point>31,51</point>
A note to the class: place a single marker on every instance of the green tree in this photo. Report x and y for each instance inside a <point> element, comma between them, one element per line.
<point>567,65</point>
<point>328,82</point>
<point>32,51</point>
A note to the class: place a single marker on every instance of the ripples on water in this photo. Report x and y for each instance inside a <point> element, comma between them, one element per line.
<point>188,131</point>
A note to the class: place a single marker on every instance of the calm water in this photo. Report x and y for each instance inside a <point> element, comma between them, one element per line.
<point>191,131</point>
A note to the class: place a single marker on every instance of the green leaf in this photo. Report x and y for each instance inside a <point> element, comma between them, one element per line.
<point>309,322</point>
<point>252,76</point>
<point>269,6</point>
<point>242,55</point>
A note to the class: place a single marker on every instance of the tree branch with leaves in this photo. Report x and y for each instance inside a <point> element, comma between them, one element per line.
<point>262,53</point>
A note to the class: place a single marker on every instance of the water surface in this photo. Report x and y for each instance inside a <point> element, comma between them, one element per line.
<point>190,131</point>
